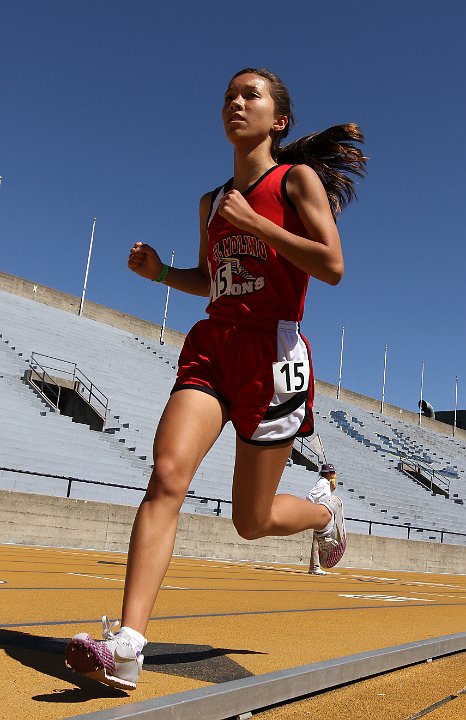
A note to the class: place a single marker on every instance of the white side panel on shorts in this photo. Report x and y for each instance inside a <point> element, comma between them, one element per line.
<point>292,348</point>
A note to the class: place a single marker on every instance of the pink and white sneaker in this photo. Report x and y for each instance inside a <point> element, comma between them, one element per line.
<point>332,545</point>
<point>112,661</point>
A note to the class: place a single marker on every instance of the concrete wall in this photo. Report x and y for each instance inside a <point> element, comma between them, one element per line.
<point>27,519</point>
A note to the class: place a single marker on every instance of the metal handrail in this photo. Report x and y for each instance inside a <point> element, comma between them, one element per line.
<point>406,527</point>
<point>76,377</point>
<point>399,453</point>
<point>305,446</point>
<point>49,385</point>
<point>220,501</point>
<point>430,474</point>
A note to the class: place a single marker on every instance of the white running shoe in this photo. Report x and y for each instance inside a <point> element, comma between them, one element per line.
<point>111,661</point>
<point>317,571</point>
<point>333,545</point>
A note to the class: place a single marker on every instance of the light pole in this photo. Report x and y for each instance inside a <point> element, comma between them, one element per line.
<point>341,361</point>
<point>422,387</point>
<point>162,329</point>
<point>384,378</point>
<point>81,304</point>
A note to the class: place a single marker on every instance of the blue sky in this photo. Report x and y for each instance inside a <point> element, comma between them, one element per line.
<point>111,109</point>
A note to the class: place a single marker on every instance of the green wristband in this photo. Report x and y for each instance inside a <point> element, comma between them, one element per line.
<point>162,275</point>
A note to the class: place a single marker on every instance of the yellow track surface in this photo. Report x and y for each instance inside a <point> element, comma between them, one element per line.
<point>218,621</point>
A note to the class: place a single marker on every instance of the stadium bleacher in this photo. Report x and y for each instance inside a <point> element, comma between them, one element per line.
<point>137,373</point>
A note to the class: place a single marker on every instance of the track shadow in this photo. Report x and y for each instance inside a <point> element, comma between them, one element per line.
<point>46,655</point>
<point>200,662</point>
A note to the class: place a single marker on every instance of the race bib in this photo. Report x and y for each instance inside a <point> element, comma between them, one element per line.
<point>290,376</point>
<point>222,282</point>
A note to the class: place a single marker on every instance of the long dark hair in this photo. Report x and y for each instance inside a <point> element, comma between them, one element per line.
<point>331,153</point>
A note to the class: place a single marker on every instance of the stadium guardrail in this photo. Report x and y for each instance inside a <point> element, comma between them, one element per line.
<point>425,476</point>
<point>307,453</point>
<point>46,385</point>
<point>219,502</point>
<point>82,384</point>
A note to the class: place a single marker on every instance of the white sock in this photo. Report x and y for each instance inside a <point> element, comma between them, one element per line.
<point>139,641</point>
<point>329,527</point>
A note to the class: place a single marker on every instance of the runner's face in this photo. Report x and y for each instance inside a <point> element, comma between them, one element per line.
<point>248,111</point>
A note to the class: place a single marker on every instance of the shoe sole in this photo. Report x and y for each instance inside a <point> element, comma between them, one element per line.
<point>82,659</point>
<point>109,680</point>
<point>336,554</point>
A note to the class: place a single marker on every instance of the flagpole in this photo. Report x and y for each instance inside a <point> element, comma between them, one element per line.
<point>162,329</point>
<point>81,304</point>
<point>456,405</point>
<point>384,378</point>
<point>420,401</point>
<point>341,361</point>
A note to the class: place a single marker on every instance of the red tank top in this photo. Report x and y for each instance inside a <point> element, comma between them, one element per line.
<point>250,281</point>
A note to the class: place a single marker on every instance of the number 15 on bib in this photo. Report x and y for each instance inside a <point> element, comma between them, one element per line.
<point>222,282</point>
<point>290,376</point>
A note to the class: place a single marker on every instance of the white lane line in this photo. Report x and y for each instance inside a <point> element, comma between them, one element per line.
<point>96,577</point>
<point>175,587</point>
<point>122,580</point>
<point>366,578</point>
<point>370,578</point>
<point>441,595</point>
<point>384,598</point>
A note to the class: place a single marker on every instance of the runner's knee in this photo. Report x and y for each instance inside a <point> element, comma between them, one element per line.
<point>249,528</point>
<point>167,480</point>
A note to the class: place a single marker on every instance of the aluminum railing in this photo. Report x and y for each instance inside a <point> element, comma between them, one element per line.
<point>82,384</point>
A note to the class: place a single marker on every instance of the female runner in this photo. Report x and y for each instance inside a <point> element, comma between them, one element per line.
<point>262,235</point>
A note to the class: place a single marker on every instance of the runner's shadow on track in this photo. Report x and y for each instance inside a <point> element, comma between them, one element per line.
<point>199,662</point>
<point>46,655</point>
